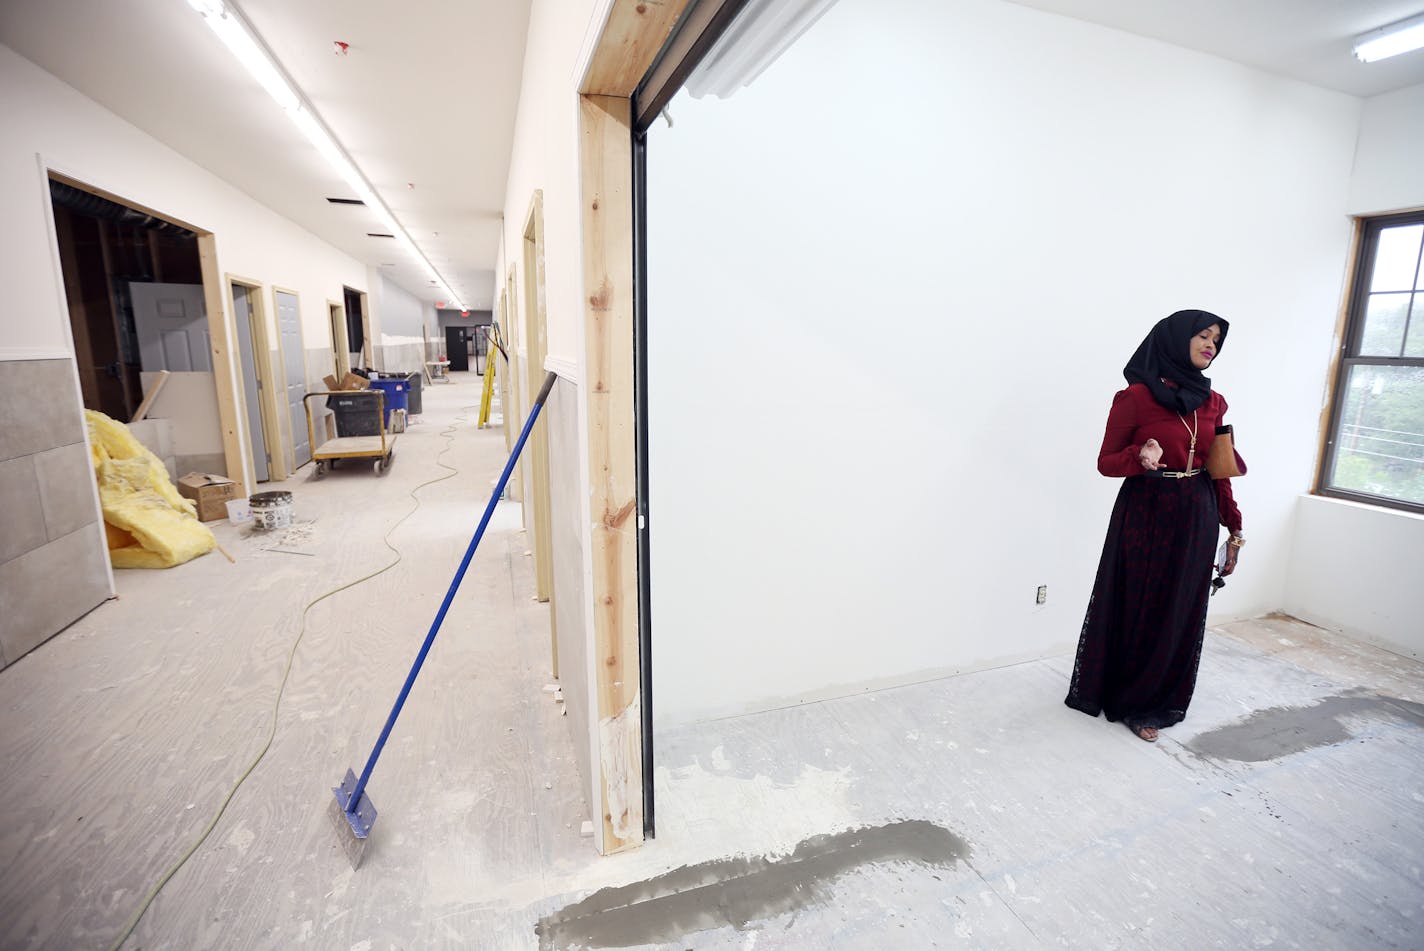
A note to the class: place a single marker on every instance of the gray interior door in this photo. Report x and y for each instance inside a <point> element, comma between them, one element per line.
<point>293,360</point>
<point>251,385</point>
<point>172,325</point>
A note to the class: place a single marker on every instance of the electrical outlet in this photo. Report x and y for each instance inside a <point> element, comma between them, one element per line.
<point>1042,594</point>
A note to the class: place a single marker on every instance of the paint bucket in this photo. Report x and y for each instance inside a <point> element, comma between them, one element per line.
<point>238,511</point>
<point>271,510</point>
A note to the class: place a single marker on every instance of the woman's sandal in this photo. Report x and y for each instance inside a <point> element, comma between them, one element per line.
<point>1148,733</point>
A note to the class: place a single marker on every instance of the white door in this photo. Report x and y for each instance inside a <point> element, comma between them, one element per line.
<point>172,325</point>
<point>251,382</point>
<point>289,326</point>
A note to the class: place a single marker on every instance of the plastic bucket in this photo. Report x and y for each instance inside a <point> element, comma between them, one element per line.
<point>238,511</point>
<point>271,510</point>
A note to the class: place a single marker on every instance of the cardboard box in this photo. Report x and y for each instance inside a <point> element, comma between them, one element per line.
<point>209,492</point>
<point>349,382</point>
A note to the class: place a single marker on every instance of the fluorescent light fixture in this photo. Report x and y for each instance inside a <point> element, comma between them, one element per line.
<point>226,21</point>
<point>1402,37</point>
<point>761,32</point>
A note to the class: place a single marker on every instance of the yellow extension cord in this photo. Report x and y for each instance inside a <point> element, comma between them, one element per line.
<point>132,923</point>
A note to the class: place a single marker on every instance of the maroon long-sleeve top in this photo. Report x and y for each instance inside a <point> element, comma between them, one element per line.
<point>1137,417</point>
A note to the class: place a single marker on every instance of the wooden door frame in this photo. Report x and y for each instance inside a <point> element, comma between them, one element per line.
<point>536,330</point>
<point>514,412</point>
<point>220,326</point>
<point>277,470</point>
<point>505,378</point>
<point>340,342</point>
<point>282,366</point>
<point>632,35</point>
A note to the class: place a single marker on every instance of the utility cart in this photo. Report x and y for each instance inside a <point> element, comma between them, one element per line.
<point>360,430</point>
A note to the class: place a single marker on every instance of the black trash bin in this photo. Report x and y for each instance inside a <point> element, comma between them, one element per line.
<point>413,400</point>
<point>356,413</point>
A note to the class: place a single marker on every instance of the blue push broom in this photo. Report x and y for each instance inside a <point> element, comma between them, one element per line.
<point>351,810</point>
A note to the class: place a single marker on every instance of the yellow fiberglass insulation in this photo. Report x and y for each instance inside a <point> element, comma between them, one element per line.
<point>137,497</point>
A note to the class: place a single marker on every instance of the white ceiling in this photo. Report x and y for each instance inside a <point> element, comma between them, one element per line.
<point>426,97</point>
<point>1309,40</point>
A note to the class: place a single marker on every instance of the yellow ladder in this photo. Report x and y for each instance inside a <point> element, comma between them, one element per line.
<point>487,397</point>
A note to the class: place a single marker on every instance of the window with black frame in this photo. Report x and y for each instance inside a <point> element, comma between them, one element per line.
<point>1375,452</point>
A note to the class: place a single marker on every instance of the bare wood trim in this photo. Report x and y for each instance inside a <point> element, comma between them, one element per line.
<point>267,391</point>
<point>143,407</point>
<point>340,344</point>
<point>1332,378</point>
<point>368,346</point>
<point>632,37</point>
<point>519,374</point>
<point>536,320</point>
<point>605,172</point>
<point>220,335</point>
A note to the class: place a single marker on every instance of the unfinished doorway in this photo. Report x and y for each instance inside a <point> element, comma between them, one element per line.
<point>358,328</point>
<point>104,248</point>
<point>340,347</point>
<point>537,345</point>
<point>260,385</point>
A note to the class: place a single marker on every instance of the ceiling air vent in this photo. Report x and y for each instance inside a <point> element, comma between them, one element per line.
<point>372,234</point>
<point>346,201</point>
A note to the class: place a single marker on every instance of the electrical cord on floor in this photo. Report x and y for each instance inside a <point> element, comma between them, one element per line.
<point>449,434</point>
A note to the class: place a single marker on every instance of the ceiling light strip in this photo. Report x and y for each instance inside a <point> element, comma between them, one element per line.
<point>1402,37</point>
<point>232,28</point>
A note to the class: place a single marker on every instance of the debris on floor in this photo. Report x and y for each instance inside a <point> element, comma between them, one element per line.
<point>148,523</point>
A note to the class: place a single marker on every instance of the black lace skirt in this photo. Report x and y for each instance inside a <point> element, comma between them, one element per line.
<point>1142,635</point>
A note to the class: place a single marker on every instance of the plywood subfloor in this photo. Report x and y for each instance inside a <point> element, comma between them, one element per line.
<point>976,812</point>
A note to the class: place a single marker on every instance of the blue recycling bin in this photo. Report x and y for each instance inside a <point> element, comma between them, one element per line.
<point>397,395</point>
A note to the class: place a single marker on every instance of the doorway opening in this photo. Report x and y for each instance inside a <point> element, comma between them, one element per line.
<point>340,345</point>
<point>358,328</point>
<point>104,249</point>
<point>259,384</point>
<point>537,343</point>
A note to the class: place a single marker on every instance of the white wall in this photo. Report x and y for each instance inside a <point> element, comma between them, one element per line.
<point>893,285</point>
<point>49,124</point>
<point>1389,161</point>
<point>545,156</point>
<point>398,318</point>
<point>1356,568</point>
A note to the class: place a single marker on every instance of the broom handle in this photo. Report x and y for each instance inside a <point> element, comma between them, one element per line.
<point>450,595</point>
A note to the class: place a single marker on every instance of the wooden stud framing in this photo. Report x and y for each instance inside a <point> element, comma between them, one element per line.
<point>267,390</point>
<point>632,35</point>
<point>220,332</point>
<point>606,160</point>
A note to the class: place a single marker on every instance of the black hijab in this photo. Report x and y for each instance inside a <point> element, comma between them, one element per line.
<point>1166,355</point>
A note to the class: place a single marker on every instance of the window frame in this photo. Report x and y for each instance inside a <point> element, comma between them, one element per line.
<point>1361,276</point>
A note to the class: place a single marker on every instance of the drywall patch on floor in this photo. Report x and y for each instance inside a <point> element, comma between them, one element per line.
<point>1280,731</point>
<point>741,890</point>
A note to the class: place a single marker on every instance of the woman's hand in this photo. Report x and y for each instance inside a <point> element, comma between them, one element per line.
<point>1233,552</point>
<point>1151,455</point>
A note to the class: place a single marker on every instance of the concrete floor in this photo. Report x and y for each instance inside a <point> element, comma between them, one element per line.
<point>978,811</point>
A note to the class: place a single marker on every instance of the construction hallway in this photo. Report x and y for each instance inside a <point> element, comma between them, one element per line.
<point>974,811</point>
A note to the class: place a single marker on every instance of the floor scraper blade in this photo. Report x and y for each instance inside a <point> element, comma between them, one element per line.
<point>353,826</point>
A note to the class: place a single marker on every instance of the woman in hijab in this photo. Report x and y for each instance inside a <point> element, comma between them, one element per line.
<point>1142,636</point>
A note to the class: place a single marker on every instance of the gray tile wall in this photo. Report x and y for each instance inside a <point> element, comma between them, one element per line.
<point>53,569</point>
